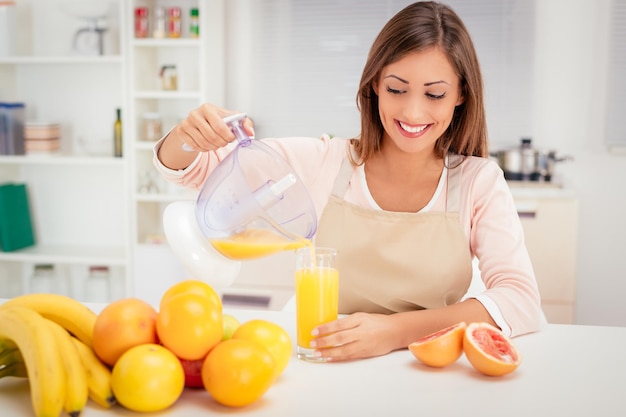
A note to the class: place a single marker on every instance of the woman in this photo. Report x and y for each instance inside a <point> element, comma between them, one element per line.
<point>409,203</point>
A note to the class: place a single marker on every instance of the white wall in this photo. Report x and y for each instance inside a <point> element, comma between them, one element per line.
<point>570,105</point>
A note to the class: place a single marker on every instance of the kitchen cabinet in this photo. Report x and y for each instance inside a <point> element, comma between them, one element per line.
<point>549,216</point>
<point>89,208</point>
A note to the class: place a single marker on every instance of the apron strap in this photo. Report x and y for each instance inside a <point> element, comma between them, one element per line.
<point>453,200</point>
<point>343,177</point>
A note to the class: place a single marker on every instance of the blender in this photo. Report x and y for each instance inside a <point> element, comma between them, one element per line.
<point>252,205</point>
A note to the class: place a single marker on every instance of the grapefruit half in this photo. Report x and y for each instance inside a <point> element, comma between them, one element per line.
<point>441,348</point>
<point>489,351</point>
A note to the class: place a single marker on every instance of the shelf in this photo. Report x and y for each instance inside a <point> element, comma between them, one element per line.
<point>112,59</point>
<point>159,94</point>
<point>62,159</point>
<point>166,42</point>
<point>68,254</point>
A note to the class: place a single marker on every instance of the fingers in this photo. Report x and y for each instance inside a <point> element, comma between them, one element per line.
<point>204,128</point>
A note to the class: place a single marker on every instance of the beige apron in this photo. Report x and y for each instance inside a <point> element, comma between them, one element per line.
<point>392,261</point>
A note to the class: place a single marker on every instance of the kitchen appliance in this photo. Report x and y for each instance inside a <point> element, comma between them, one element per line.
<point>526,163</point>
<point>88,40</point>
<point>252,190</point>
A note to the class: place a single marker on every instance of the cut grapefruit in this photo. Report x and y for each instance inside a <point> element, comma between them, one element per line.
<point>441,348</point>
<point>489,351</point>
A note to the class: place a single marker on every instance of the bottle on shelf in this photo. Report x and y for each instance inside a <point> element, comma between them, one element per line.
<point>174,23</point>
<point>141,22</point>
<point>194,23</point>
<point>160,25</point>
<point>117,134</point>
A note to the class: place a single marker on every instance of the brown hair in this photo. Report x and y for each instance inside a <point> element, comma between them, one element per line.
<point>417,27</point>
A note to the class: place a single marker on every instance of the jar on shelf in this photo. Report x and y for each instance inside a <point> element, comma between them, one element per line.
<point>98,284</point>
<point>160,24</point>
<point>141,22</point>
<point>152,126</point>
<point>194,23</point>
<point>174,27</point>
<point>43,279</point>
<point>169,77</point>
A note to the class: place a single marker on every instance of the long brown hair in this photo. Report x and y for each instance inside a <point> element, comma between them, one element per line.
<point>417,27</point>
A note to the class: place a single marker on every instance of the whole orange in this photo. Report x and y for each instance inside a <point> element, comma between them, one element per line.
<point>237,372</point>
<point>189,325</point>
<point>147,378</point>
<point>273,337</point>
<point>121,325</point>
<point>193,286</point>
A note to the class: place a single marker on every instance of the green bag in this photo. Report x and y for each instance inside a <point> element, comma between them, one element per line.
<point>16,230</point>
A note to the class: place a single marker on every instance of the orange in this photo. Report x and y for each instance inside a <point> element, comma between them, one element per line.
<point>121,325</point>
<point>147,378</point>
<point>441,348</point>
<point>273,337</point>
<point>193,286</point>
<point>237,372</point>
<point>489,351</point>
<point>189,325</point>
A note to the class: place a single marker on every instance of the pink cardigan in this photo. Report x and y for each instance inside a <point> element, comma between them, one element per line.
<point>488,216</point>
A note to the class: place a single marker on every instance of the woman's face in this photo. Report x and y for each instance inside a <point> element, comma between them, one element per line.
<point>416,100</point>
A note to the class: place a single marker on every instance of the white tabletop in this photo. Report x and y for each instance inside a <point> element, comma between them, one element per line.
<point>566,370</point>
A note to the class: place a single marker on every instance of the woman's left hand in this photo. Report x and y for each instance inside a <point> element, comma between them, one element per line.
<point>357,336</point>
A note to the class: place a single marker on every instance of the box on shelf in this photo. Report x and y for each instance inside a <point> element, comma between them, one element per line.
<point>16,230</point>
<point>12,129</point>
<point>42,137</point>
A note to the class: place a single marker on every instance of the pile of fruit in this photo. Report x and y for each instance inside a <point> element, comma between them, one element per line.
<point>485,346</point>
<point>135,355</point>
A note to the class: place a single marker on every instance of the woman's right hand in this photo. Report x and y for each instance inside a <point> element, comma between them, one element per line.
<point>201,131</point>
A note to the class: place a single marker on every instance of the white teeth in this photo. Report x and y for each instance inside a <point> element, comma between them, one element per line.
<point>412,129</point>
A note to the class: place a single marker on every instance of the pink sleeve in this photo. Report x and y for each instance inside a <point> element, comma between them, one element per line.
<point>497,240</point>
<point>315,160</point>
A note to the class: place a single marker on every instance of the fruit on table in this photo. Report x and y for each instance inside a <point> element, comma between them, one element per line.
<point>273,337</point>
<point>194,286</point>
<point>121,325</point>
<point>489,351</point>
<point>98,375</point>
<point>231,323</point>
<point>35,339</point>
<point>189,325</point>
<point>440,348</point>
<point>63,376</point>
<point>77,318</point>
<point>147,377</point>
<point>193,372</point>
<point>237,372</point>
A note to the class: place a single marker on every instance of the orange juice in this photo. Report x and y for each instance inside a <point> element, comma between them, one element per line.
<point>317,291</point>
<point>317,294</point>
<point>255,243</point>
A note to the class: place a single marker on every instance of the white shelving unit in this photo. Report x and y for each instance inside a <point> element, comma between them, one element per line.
<point>88,207</point>
<point>77,195</point>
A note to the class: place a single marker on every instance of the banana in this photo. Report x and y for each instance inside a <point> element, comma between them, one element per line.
<point>16,368</point>
<point>41,354</point>
<point>76,317</point>
<point>98,376</point>
<point>76,391</point>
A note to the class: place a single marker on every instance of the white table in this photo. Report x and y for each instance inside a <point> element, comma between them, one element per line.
<point>566,370</point>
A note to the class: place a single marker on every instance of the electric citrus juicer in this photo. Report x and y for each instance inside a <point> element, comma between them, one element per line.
<point>252,205</point>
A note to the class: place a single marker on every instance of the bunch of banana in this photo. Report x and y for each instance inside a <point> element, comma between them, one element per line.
<point>47,338</point>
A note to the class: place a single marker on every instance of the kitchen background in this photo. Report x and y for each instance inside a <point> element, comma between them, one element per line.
<point>293,66</point>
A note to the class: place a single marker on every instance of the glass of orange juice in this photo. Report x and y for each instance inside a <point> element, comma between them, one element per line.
<point>317,295</point>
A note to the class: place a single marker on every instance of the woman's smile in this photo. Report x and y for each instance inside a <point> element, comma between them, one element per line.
<point>412,131</point>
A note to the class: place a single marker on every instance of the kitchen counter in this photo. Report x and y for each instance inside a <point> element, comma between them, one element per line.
<point>566,370</point>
